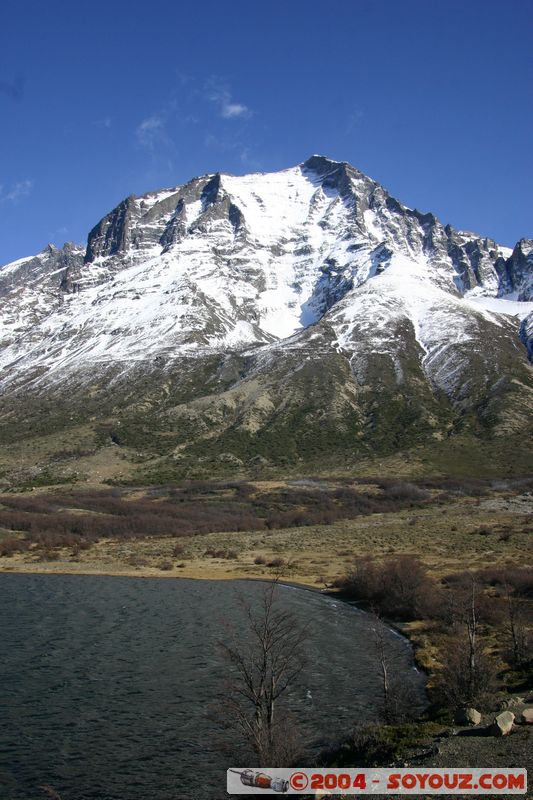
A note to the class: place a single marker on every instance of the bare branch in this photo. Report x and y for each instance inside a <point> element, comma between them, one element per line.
<point>265,663</point>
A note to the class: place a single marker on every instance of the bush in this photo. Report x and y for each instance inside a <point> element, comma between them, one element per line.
<point>12,545</point>
<point>406,491</point>
<point>399,587</point>
<point>466,682</point>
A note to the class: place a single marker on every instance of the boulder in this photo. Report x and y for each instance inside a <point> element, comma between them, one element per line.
<point>468,716</point>
<point>503,724</point>
<point>527,716</point>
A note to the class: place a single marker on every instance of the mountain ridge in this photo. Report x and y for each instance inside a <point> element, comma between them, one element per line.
<point>226,289</point>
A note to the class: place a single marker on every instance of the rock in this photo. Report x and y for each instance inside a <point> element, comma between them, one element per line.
<point>230,458</point>
<point>503,724</point>
<point>468,716</point>
<point>516,701</point>
<point>259,461</point>
<point>527,716</point>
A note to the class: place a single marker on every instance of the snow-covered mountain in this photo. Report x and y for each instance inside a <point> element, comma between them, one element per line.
<point>218,298</point>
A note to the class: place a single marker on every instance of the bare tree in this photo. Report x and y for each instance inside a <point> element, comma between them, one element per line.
<point>469,673</point>
<point>516,628</point>
<point>471,621</point>
<point>383,667</point>
<point>398,698</point>
<point>265,660</point>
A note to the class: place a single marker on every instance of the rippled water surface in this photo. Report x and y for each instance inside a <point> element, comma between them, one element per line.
<point>105,682</point>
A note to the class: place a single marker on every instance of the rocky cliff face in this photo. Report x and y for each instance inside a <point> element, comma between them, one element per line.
<point>32,288</point>
<point>232,301</point>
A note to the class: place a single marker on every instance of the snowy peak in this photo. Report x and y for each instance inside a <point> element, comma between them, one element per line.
<point>269,210</point>
<point>232,262</point>
<point>299,314</point>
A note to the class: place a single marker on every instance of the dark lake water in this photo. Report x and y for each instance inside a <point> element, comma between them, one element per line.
<point>105,682</point>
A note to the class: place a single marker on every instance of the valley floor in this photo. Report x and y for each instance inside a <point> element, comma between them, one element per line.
<point>470,533</point>
<point>448,534</point>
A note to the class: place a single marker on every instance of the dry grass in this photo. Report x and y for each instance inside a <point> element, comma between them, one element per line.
<point>458,535</point>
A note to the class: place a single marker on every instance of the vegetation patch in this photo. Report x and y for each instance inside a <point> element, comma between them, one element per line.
<point>81,518</point>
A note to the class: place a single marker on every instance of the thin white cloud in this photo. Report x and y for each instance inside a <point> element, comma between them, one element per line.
<point>18,191</point>
<point>151,132</point>
<point>219,94</point>
<point>230,110</point>
<point>106,122</point>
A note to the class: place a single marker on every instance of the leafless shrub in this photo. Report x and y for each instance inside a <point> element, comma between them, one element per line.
<point>11,545</point>
<point>468,675</point>
<point>264,664</point>
<point>136,560</point>
<point>456,598</point>
<point>518,579</point>
<point>47,555</point>
<point>466,487</point>
<point>398,587</point>
<point>520,645</point>
<point>406,491</point>
<point>215,553</point>
<point>398,698</point>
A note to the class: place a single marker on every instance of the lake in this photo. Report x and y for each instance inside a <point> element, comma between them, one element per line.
<point>106,682</point>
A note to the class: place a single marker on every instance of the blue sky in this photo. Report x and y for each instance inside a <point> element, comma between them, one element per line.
<point>99,100</point>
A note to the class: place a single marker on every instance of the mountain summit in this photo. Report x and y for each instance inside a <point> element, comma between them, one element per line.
<point>279,316</point>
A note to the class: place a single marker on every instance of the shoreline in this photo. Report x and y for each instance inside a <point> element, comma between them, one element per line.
<point>155,574</point>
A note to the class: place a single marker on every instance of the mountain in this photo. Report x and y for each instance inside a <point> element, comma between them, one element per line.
<point>304,317</point>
